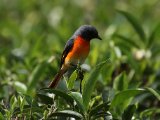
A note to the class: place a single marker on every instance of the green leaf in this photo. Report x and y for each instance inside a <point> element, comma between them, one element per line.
<point>35,47</point>
<point>20,87</point>
<point>136,25</point>
<point>151,38</point>
<point>21,102</point>
<point>125,95</point>
<point>94,100</point>
<point>122,99</point>
<point>105,115</point>
<point>155,51</point>
<point>2,109</point>
<point>101,107</point>
<point>128,113</point>
<point>71,80</point>
<point>13,103</point>
<point>45,114</point>
<point>28,109</point>
<point>149,112</point>
<point>156,94</point>
<point>90,84</point>
<point>67,113</point>
<point>129,41</point>
<point>45,99</point>
<point>121,82</point>
<point>36,74</point>
<point>28,99</point>
<point>57,92</point>
<point>78,98</point>
<point>1,116</point>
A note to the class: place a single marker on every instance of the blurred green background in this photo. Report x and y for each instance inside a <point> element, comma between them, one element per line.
<point>33,34</point>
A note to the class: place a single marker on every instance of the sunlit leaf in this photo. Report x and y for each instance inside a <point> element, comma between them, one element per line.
<point>21,102</point>
<point>90,84</point>
<point>149,112</point>
<point>78,98</point>
<point>71,80</point>
<point>156,94</point>
<point>20,87</point>
<point>1,116</point>
<point>13,103</point>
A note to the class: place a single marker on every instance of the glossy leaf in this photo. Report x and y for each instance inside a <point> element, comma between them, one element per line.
<point>149,112</point>
<point>67,113</point>
<point>78,98</point>
<point>152,91</point>
<point>90,84</point>
<point>57,92</point>
<point>45,99</point>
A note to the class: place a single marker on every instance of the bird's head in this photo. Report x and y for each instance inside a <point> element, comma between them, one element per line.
<point>87,32</point>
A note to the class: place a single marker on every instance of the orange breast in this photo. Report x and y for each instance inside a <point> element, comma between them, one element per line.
<point>79,51</point>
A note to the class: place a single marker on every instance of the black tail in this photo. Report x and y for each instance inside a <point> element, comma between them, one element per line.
<point>58,76</point>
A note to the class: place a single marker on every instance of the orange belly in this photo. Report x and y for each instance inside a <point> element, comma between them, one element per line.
<point>79,52</point>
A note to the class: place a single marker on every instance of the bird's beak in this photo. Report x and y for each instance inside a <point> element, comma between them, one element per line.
<point>99,37</point>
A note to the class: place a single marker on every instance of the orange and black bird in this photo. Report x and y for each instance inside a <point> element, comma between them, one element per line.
<point>76,50</point>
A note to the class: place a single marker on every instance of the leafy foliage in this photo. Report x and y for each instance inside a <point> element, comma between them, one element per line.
<point>121,74</point>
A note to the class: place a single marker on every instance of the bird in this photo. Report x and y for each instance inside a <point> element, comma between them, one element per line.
<point>75,51</point>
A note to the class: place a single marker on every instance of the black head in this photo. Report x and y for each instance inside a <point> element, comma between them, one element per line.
<point>88,32</point>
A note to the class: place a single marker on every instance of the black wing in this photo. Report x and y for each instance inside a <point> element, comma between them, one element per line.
<point>66,50</point>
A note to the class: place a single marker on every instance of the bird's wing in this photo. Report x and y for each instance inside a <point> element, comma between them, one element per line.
<point>66,50</point>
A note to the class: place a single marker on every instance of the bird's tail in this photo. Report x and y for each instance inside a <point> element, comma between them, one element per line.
<point>55,81</point>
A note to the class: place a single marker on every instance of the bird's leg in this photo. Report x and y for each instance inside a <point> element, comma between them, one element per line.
<point>80,75</point>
